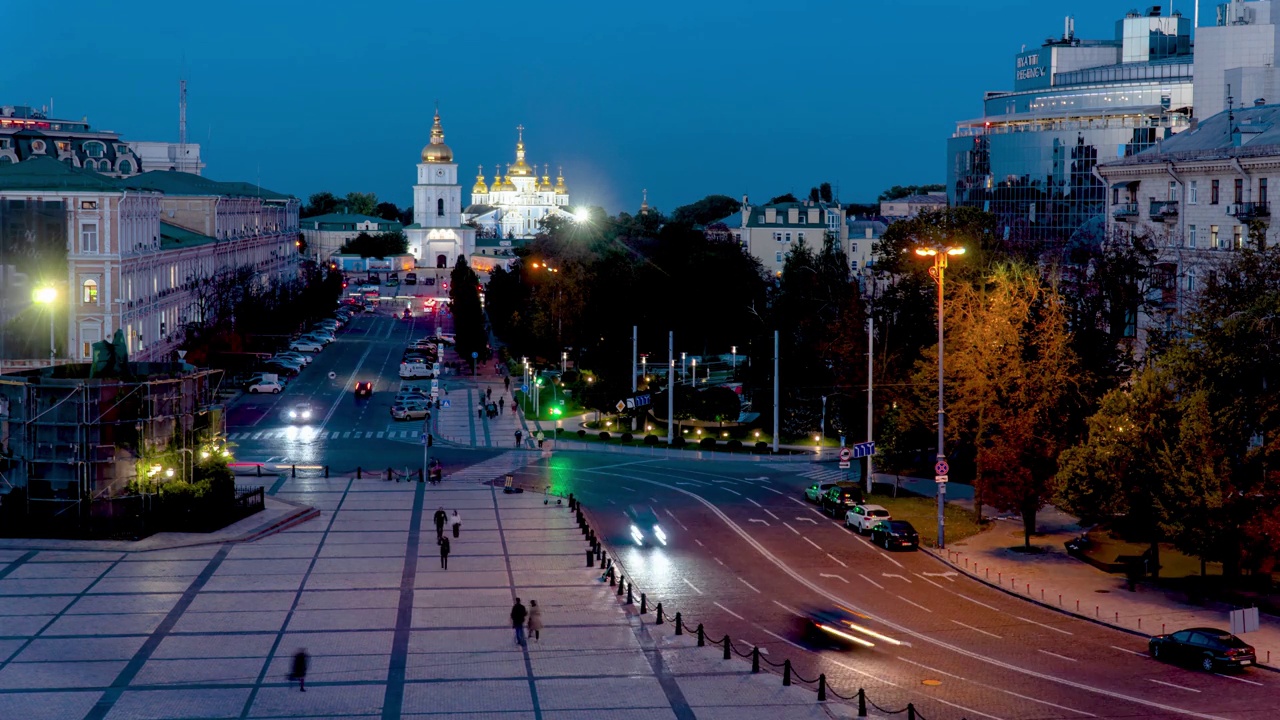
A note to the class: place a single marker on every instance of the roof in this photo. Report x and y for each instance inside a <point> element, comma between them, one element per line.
<point>479,209</point>
<point>344,219</point>
<point>173,237</point>
<point>1213,138</point>
<point>920,200</point>
<point>45,173</point>
<point>757,212</point>
<point>859,228</point>
<point>172,182</point>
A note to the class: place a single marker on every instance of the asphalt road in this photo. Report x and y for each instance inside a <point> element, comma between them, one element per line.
<point>748,556</point>
<point>345,432</point>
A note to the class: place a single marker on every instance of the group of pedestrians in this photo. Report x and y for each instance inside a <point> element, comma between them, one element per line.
<point>442,519</point>
<point>530,617</point>
<point>487,407</point>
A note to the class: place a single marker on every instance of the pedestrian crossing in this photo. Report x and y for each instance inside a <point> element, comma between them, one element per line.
<point>294,433</point>
<point>828,474</point>
<point>496,467</point>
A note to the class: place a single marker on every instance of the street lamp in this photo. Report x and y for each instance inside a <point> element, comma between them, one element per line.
<point>940,253</point>
<point>48,295</point>
<point>695,371</point>
<point>682,367</point>
<point>564,359</point>
<point>734,350</point>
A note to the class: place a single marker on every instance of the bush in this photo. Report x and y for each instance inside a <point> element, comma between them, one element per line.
<point>650,439</point>
<point>582,433</point>
<point>762,446</point>
<point>680,442</point>
<point>627,437</point>
<point>707,443</point>
<point>570,377</point>
<point>734,445</point>
<point>604,435</point>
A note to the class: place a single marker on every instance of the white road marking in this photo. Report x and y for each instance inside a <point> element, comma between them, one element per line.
<point>890,558</point>
<point>922,577</point>
<point>735,492</point>
<point>805,519</point>
<point>901,577</point>
<point>814,544</point>
<point>980,630</point>
<point>968,710</point>
<point>979,602</point>
<point>1161,682</point>
<point>873,582</point>
<point>784,607</point>
<point>762,522</point>
<point>695,588</point>
<point>1054,654</point>
<point>1237,679</point>
<point>949,575</point>
<point>379,436</point>
<point>727,610</point>
<point>628,489</point>
<point>1042,702</point>
<point>791,528</point>
<point>1050,627</point>
<point>699,542</point>
<point>346,436</point>
<point>826,575</point>
<point>744,582</point>
<point>914,603</point>
<point>798,502</point>
<point>794,645</point>
<point>753,502</point>
<point>775,517</point>
<point>865,674</point>
<point>673,517</point>
<point>719,561</point>
<point>1131,652</point>
<point>930,669</point>
<point>775,491</point>
<point>833,557</point>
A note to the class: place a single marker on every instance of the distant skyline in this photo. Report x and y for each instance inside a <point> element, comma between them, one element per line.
<point>685,99</point>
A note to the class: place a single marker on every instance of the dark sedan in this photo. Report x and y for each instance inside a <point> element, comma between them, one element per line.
<point>1208,648</point>
<point>895,534</point>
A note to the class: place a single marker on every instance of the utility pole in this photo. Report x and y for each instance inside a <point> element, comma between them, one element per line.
<point>776,398</point>
<point>635,338</point>
<point>671,388</point>
<point>871,324</point>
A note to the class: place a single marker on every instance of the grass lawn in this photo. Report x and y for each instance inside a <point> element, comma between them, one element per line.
<point>922,513</point>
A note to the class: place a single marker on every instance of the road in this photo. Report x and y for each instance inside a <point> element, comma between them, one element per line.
<point>748,556</point>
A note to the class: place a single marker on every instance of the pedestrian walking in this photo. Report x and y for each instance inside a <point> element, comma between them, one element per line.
<point>456,521</point>
<point>480,411</point>
<point>488,393</point>
<point>444,553</point>
<point>506,382</point>
<point>299,671</point>
<point>502,402</point>
<point>518,615</point>
<point>440,517</point>
<point>519,437</point>
<point>535,621</point>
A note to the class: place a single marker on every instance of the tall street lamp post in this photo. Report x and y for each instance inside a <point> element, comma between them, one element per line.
<point>734,350</point>
<point>46,296</point>
<point>940,253</point>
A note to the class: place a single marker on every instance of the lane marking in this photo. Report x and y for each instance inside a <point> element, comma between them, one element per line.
<point>930,669</point>
<point>966,709</point>
<point>914,603</point>
<point>890,558</point>
<point>699,542</point>
<point>1232,677</point>
<point>864,674</point>
<point>904,578</point>
<point>1050,627</point>
<point>873,582</point>
<point>775,491</point>
<point>991,687</point>
<point>753,502</point>
<point>814,544</point>
<point>1054,654</point>
<point>801,504</point>
<point>762,522</point>
<point>744,582</point>
<point>930,581</point>
<point>784,607</point>
<point>833,557</point>
<point>719,561</point>
<point>794,645</point>
<point>979,602</point>
<point>825,575</point>
<point>810,520</point>
<point>695,588</point>
<point>980,630</point>
<point>1131,652</point>
<point>1161,682</point>
<point>791,528</point>
<point>974,655</point>
<point>727,610</point>
<point>775,517</point>
<point>735,492</point>
<point>677,520</point>
<point>628,489</point>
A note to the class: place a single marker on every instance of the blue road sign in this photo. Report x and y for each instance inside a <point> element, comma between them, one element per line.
<point>474,355</point>
<point>524,388</point>
<point>863,449</point>
<point>423,438</point>
<point>444,402</point>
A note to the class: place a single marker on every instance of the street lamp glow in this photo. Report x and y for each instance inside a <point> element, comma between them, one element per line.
<point>45,295</point>
<point>582,215</point>
<point>955,251</point>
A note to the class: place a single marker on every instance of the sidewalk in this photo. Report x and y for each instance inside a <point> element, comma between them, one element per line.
<point>460,423</point>
<point>209,631</point>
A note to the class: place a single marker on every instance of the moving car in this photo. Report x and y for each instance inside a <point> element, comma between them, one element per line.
<point>265,385</point>
<point>300,413</point>
<point>645,528</point>
<point>895,534</point>
<point>864,517</point>
<point>364,388</point>
<point>410,410</point>
<point>840,497</point>
<point>288,360</point>
<point>814,492</point>
<point>1208,648</point>
<point>306,345</point>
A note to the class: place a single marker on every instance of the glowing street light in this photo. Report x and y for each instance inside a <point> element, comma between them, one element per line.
<point>582,215</point>
<point>48,295</point>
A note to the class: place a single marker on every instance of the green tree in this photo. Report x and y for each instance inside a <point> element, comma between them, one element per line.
<point>784,198</point>
<point>824,192</point>
<point>359,203</point>
<point>377,245</point>
<point>901,191</point>
<point>387,211</point>
<point>468,316</point>
<point>321,203</point>
<point>706,211</point>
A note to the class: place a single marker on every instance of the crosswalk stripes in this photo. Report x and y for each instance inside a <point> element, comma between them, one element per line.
<point>334,435</point>
<point>825,475</point>
<point>495,467</point>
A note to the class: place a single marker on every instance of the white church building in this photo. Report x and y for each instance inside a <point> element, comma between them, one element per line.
<point>514,205</point>
<point>438,235</point>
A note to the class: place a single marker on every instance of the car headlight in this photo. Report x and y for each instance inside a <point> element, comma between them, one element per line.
<point>657,532</point>
<point>306,414</point>
<point>292,414</point>
<point>637,535</point>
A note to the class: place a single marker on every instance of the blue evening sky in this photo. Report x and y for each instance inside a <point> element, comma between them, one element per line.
<point>683,98</point>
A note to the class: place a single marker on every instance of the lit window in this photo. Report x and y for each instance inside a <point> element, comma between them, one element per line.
<point>1237,237</point>
<point>89,292</point>
<point>1213,235</point>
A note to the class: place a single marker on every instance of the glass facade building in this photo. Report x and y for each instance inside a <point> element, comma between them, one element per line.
<point>1031,157</point>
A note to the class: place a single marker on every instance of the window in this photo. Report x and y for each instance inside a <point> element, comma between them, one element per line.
<point>95,149</point>
<point>853,247</point>
<point>1239,191</point>
<point>1192,193</point>
<point>126,167</point>
<point>88,204</point>
<point>440,207</point>
<point>89,292</point>
<point>1262,190</point>
<point>800,237</point>
<point>788,237</point>
<point>89,238</point>
<point>1237,237</point>
<point>442,261</point>
<point>1213,193</point>
<point>1191,281</point>
<point>777,257</point>
<point>1191,231</point>
<point>1213,234</point>
<point>1173,191</point>
<point>777,237</point>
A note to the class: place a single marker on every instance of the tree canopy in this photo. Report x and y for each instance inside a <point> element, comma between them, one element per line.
<point>901,191</point>
<point>706,211</point>
<point>376,245</point>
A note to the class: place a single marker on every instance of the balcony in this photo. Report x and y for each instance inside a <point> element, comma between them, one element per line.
<point>1164,210</point>
<point>1245,212</point>
<point>1126,211</point>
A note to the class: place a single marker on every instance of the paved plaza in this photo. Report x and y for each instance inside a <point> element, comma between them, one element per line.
<point>208,631</point>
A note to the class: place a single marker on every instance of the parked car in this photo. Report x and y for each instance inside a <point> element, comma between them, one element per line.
<point>323,330</point>
<point>281,369</point>
<point>302,357</point>
<point>410,410</point>
<point>332,324</point>
<point>364,388</point>
<point>410,370</point>
<point>369,288</point>
<point>299,413</point>
<point>814,492</point>
<point>895,534</point>
<point>319,337</point>
<point>306,345</point>
<point>1208,648</point>
<point>862,518</point>
<point>405,396</point>
<point>411,278</point>
<point>840,497</point>
<point>264,385</point>
<point>291,362</point>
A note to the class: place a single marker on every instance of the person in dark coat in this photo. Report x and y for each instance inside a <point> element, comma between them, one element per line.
<point>440,517</point>
<point>444,553</point>
<point>299,671</point>
<point>502,402</point>
<point>519,437</point>
<point>518,614</point>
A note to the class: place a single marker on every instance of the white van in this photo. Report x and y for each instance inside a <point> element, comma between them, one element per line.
<point>411,370</point>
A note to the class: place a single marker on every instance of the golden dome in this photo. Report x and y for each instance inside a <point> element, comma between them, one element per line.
<point>545,185</point>
<point>480,188</point>
<point>560,188</point>
<point>521,169</point>
<point>437,151</point>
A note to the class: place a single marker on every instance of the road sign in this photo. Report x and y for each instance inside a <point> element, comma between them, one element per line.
<point>474,354</point>
<point>524,388</point>
<point>621,406</point>
<point>863,449</point>
<point>845,464</point>
<point>941,467</point>
<point>845,456</point>
<point>444,403</point>
<point>940,479</point>
<point>423,438</point>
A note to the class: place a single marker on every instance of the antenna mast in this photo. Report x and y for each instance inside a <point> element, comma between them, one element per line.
<point>182,125</point>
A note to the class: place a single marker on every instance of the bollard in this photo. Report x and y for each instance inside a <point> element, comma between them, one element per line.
<point>862,702</point>
<point>1041,594</point>
<point>644,604</point>
<point>421,476</point>
<point>612,580</point>
<point>988,572</point>
<point>388,473</point>
<point>911,712</point>
<point>259,469</point>
<point>572,502</point>
<point>1162,628</point>
<point>679,625</point>
<point>1117,617</point>
<point>1097,612</point>
<point>1077,604</point>
<point>702,636</point>
<point>359,472</point>
<point>1028,588</point>
<point>728,647</point>
<point>822,687</point>
<point>1059,599</point>
<point>786,673</point>
<point>610,561</point>
<point>1139,623</point>
<point>630,587</point>
<point>660,619</point>
<point>326,471</point>
<point>603,554</point>
<point>591,560</point>
<point>755,659</point>
<point>293,471</point>
<point>622,581</point>
<point>1000,578</point>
